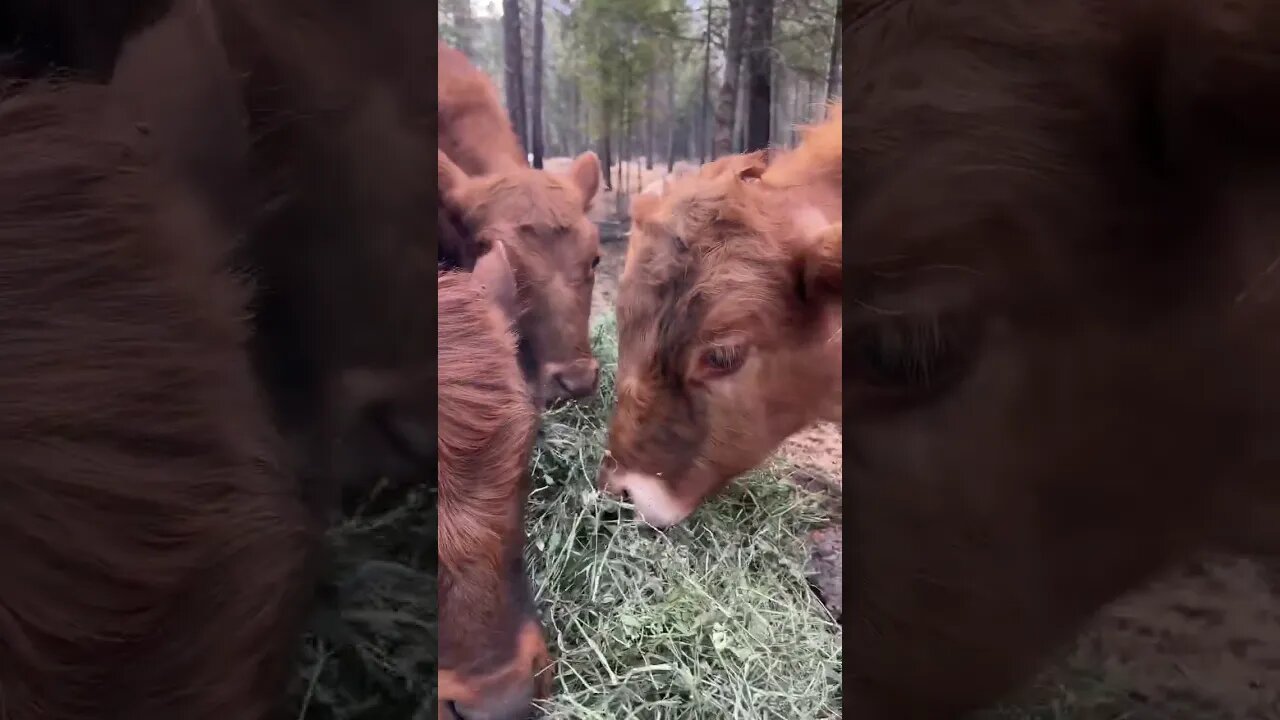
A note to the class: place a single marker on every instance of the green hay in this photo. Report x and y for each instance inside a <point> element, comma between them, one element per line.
<point>370,649</point>
<point>713,619</point>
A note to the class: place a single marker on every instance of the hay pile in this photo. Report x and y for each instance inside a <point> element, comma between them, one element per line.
<point>713,619</point>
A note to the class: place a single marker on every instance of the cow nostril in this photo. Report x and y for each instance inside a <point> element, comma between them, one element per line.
<point>562,382</point>
<point>453,712</point>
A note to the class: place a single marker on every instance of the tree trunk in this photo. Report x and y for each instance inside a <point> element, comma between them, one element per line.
<point>650,111</point>
<point>578,127</point>
<point>577,124</point>
<point>514,69</point>
<point>759,100</point>
<point>777,101</point>
<point>624,142</point>
<point>833,68</point>
<point>608,150</point>
<point>671,120</point>
<point>740,106</point>
<point>726,104</point>
<point>466,27</point>
<point>797,108</point>
<point>535,131</point>
<point>705,148</point>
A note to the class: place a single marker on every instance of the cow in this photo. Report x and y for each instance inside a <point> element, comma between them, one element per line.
<point>540,217</point>
<point>158,551</point>
<point>217,243</point>
<point>729,323</point>
<point>1064,307</point>
<point>492,654</point>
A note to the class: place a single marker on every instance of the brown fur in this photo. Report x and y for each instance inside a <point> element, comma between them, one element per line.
<point>338,228</point>
<point>140,468</point>
<point>475,131</point>
<point>163,548</point>
<point>539,216</point>
<point>1064,311</point>
<point>727,257</point>
<point>487,427</point>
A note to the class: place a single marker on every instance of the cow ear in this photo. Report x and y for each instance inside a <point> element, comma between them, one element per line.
<point>450,177</point>
<point>643,207</point>
<point>586,175</point>
<point>494,277</point>
<point>821,264</point>
<point>753,165</point>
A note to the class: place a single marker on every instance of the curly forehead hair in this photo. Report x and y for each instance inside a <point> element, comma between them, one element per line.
<point>712,256</point>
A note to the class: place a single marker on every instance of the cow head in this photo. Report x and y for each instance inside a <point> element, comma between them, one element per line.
<point>554,249</point>
<point>728,324</point>
<point>491,646</point>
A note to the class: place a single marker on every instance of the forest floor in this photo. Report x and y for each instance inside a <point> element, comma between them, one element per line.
<point>1201,643</point>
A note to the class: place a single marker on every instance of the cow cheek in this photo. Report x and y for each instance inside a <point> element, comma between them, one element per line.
<point>740,435</point>
<point>624,428</point>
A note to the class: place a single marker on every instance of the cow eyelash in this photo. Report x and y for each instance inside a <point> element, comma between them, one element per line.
<point>723,360</point>
<point>919,356</point>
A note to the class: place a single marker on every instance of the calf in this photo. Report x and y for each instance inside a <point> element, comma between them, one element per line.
<point>156,548</point>
<point>164,545</point>
<point>728,324</point>
<point>336,223</point>
<point>539,216</point>
<point>490,639</point>
<point>1064,319</point>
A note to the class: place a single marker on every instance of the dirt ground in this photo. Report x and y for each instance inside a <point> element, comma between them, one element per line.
<point>1201,644</point>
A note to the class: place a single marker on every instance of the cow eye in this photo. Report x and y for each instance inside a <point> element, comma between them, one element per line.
<point>721,360</point>
<point>913,354</point>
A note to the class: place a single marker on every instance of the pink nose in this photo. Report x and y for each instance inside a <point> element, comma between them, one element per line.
<point>577,379</point>
<point>606,479</point>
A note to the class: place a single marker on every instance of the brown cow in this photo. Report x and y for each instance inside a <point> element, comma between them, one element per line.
<point>156,547</point>
<point>1064,311</point>
<point>490,639</point>
<point>337,228</point>
<point>161,550</point>
<point>540,216</point>
<point>728,324</point>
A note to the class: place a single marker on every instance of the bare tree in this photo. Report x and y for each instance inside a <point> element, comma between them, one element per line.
<point>759,63</point>
<point>740,104</point>
<point>513,53</point>
<point>706,90</point>
<point>671,119</point>
<point>649,123</point>
<point>465,24</point>
<point>535,116</point>
<point>624,139</point>
<point>833,68</point>
<point>727,102</point>
<point>606,120</point>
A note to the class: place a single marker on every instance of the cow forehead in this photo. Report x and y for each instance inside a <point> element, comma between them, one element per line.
<point>528,197</point>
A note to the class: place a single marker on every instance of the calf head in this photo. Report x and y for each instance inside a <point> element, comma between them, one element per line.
<point>491,646</point>
<point>728,325</point>
<point>540,218</point>
<point>1058,312</point>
